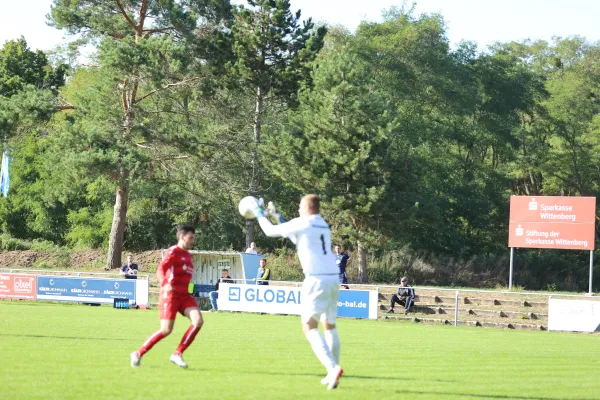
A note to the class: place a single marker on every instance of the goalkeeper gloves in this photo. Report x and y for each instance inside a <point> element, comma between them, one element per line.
<point>259,209</point>
<point>272,210</point>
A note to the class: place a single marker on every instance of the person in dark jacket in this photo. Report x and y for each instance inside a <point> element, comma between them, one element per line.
<point>264,274</point>
<point>405,297</point>
<point>214,295</point>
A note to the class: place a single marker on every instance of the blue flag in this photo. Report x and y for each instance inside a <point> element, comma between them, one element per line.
<point>4,175</point>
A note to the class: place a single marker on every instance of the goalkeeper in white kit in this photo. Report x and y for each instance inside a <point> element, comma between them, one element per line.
<point>312,237</point>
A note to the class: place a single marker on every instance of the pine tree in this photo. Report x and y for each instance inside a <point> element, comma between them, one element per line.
<point>145,47</point>
<point>272,54</point>
<point>338,146</point>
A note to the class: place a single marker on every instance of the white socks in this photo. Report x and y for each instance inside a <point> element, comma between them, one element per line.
<point>321,349</point>
<point>333,342</point>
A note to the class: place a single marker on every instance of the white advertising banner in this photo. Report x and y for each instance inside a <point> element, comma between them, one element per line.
<point>574,315</point>
<point>287,300</point>
<point>142,292</point>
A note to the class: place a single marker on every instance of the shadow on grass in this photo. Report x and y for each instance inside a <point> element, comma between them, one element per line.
<point>396,378</point>
<point>63,337</point>
<point>487,396</point>
<point>346,376</point>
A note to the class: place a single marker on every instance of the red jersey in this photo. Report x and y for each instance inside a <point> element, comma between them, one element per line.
<point>176,269</point>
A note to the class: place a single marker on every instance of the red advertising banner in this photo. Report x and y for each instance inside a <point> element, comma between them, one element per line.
<point>18,286</point>
<point>553,209</point>
<point>552,222</point>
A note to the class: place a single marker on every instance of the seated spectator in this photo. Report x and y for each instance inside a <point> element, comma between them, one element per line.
<point>252,249</point>
<point>264,273</point>
<point>130,269</point>
<point>214,295</point>
<point>405,297</point>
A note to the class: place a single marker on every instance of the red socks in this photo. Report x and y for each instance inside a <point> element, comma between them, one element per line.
<point>157,336</point>
<point>187,339</point>
<point>152,340</point>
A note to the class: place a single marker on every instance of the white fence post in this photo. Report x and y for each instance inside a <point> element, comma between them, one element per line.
<point>591,293</point>
<point>456,309</point>
<point>548,312</point>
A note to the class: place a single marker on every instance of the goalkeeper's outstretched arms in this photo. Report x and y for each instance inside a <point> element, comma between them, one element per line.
<point>287,230</point>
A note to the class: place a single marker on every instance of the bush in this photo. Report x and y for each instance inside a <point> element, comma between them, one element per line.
<point>285,266</point>
<point>9,243</point>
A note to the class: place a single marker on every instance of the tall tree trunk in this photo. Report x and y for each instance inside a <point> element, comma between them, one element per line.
<point>255,161</point>
<point>362,263</point>
<point>117,230</point>
<point>115,241</point>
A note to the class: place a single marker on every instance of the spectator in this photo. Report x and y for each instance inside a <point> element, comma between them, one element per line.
<point>214,295</point>
<point>405,297</point>
<point>264,273</point>
<point>341,260</point>
<point>130,269</point>
<point>252,249</point>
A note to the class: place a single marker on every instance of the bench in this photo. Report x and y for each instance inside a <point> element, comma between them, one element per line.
<point>202,290</point>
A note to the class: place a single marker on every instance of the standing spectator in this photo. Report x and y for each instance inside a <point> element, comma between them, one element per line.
<point>252,249</point>
<point>214,295</point>
<point>405,297</point>
<point>130,269</point>
<point>264,273</point>
<point>341,259</point>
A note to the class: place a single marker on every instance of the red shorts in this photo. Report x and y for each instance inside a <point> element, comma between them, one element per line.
<point>175,303</point>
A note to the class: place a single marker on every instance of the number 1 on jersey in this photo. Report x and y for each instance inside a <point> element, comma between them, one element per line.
<point>323,243</point>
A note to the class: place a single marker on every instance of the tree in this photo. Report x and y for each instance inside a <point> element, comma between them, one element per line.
<point>28,88</point>
<point>19,67</point>
<point>337,145</point>
<point>144,47</point>
<point>28,84</point>
<point>272,53</point>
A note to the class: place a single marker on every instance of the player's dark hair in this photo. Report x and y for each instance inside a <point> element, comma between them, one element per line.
<point>314,203</point>
<point>224,270</point>
<point>184,230</point>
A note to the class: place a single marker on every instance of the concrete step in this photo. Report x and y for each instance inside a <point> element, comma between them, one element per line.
<point>520,308</point>
<point>463,312</point>
<point>403,317</point>
<point>503,302</point>
<point>483,324</point>
<point>420,298</point>
<point>420,309</point>
<point>494,301</point>
<point>504,314</point>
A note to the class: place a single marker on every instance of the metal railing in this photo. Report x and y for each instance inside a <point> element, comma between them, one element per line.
<point>70,273</point>
<point>455,292</point>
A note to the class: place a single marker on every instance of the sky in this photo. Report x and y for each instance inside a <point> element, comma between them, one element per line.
<point>482,21</point>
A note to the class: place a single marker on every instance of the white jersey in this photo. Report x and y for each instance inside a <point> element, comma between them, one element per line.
<point>312,237</point>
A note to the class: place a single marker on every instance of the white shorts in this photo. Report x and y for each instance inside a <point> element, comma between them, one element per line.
<point>320,298</point>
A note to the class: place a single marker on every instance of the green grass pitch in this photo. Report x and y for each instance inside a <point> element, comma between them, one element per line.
<point>54,351</point>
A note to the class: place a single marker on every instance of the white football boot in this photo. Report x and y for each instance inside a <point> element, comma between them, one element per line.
<point>135,359</point>
<point>333,377</point>
<point>178,360</point>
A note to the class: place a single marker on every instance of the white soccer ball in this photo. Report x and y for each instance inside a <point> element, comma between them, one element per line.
<point>247,204</point>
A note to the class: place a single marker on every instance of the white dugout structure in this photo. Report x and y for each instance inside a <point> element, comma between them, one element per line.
<point>208,265</point>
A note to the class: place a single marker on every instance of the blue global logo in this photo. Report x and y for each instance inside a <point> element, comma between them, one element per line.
<point>272,296</point>
<point>234,294</point>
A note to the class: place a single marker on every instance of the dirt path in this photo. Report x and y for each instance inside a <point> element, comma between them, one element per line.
<point>91,260</point>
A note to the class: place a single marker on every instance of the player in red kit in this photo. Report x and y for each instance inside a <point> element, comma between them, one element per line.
<point>174,274</point>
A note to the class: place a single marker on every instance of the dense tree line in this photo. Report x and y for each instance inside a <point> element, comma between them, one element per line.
<point>186,108</point>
